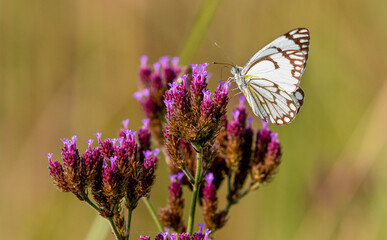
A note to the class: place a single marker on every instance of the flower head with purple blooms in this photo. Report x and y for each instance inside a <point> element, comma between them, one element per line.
<point>202,147</point>
<point>153,84</point>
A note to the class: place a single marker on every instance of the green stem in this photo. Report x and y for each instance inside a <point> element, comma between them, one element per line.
<point>189,176</point>
<point>129,220</point>
<point>195,191</point>
<point>153,213</point>
<point>234,201</point>
<point>115,231</point>
<point>89,202</point>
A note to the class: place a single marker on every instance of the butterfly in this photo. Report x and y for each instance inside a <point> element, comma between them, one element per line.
<point>270,79</point>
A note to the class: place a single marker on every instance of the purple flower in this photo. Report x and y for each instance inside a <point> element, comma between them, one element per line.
<point>207,107</point>
<point>89,143</point>
<point>156,81</point>
<point>220,95</point>
<point>169,73</point>
<point>201,226</point>
<point>145,71</point>
<point>126,123</point>
<point>49,155</point>
<point>209,189</point>
<point>209,178</point>
<point>175,65</point>
<point>169,104</point>
<point>141,96</point>
<point>207,232</point>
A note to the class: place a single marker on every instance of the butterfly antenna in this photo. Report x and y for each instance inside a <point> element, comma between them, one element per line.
<point>223,52</point>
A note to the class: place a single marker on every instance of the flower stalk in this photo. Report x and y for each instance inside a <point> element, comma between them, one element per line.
<point>153,213</point>
<point>195,191</point>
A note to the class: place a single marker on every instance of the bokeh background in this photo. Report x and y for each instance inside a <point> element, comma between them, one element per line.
<point>70,68</point>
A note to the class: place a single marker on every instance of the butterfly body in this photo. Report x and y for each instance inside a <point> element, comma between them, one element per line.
<point>270,79</point>
<point>239,79</point>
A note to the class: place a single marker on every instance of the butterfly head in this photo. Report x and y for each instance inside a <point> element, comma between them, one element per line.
<point>236,70</point>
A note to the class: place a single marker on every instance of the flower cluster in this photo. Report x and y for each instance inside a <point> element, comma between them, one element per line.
<point>153,84</point>
<point>113,171</point>
<point>212,218</point>
<point>203,149</point>
<point>237,159</point>
<point>193,118</point>
<point>199,235</point>
<point>171,216</point>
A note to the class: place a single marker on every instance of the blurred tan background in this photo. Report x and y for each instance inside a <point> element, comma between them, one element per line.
<point>70,68</point>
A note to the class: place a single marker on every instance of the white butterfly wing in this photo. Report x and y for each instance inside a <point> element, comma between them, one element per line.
<point>269,100</point>
<point>298,98</point>
<point>296,39</point>
<point>283,68</point>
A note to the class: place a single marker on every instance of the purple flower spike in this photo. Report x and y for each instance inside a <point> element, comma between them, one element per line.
<point>165,235</point>
<point>169,104</point>
<point>120,140</point>
<point>175,62</point>
<point>156,67</point>
<point>204,66</point>
<point>147,153</point>
<point>265,123</point>
<point>146,122</point>
<point>144,72</point>
<point>173,85</point>
<point>173,235</point>
<point>126,123</point>
<point>274,136</point>
<point>89,143</point>
<point>144,61</point>
<point>194,68</point>
<point>66,142</point>
<point>209,178</point>
<point>176,178</point>
<point>207,95</point>
<point>113,141</point>
<point>113,160</point>
<point>49,155</point>
<point>164,61</point>
<point>156,151</point>
<point>179,176</point>
<point>129,134</point>
<point>184,77</point>
<point>132,135</point>
<point>236,115</point>
<point>242,101</point>
<point>175,65</point>
<point>98,135</point>
<point>207,232</point>
<point>74,139</point>
<point>138,96</point>
<point>201,226</point>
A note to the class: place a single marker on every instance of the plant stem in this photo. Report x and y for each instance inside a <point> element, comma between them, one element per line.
<point>153,213</point>
<point>89,202</point>
<point>115,231</point>
<point>234,201</point>
<point>129,220</point>
<point>189,176</point>
<point>195,191</point>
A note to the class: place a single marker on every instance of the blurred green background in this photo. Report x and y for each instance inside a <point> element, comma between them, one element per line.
<point>70,68</point>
